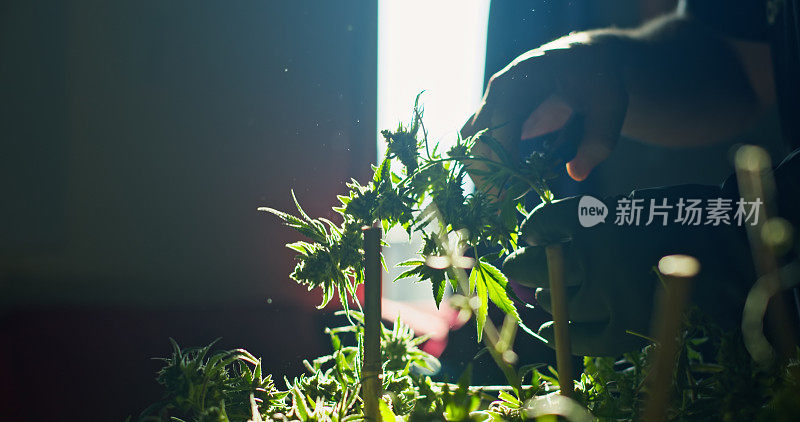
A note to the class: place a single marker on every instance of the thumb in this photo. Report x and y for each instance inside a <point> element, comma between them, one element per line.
<point>591,152</point>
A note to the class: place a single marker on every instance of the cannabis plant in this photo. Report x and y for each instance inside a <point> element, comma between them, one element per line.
<point>421,190</point>
<point>203,386</point>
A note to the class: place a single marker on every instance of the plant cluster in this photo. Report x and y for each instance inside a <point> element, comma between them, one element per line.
<point>422,191</point>
<point>715,379</point>
<point>220,386</point>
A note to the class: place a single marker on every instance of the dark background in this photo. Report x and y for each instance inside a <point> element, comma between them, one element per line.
<point>138,139</point>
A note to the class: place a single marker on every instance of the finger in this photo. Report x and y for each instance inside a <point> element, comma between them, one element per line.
<point>549,116</point>
<point>593,339</point>
<point>528,266</point>
<point>551,223</point>
<point>604,110</point>
<point>566,144</point>
<point>511,96</point>
<point>468,129</point>
<point>582,305</point>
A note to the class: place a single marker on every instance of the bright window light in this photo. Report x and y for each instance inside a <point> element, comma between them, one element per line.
<point>438,46</point>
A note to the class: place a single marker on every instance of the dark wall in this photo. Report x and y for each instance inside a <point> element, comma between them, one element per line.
<point>139,138</point>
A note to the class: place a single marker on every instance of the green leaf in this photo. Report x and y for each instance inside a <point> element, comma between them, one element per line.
<point>386,414</point>
<point>301,247</point>
<point>300,209</point>
<point>335,342</point>
<point>410,263</point>
<point>383,172</point>
<point>438,290</point>
<point>477,279</point>
<point>409,273</point>
<point>300,405</point>
<point>383,263</point>
<point>496,284</point>
<point>312,231</point>
<point>473,280</point>
<point>490,283</point>
<point>505,396</point>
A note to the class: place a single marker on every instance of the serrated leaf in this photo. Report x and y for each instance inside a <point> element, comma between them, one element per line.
<point>476,279</point>
<point>473,280</point>
<point>505,396</point>
<point>299,404</point>
<point>409,273</point>
<point>300,246</point>
<point>438,291</point>
<point>409,263</point>
<point>307,229</point>
<point>334,229</point>
<point>335,341</point>
<point>300,209</point>
<point>496,284</point>
<point>386,414</point>
<point>286,217</point>
<point>383,172</point>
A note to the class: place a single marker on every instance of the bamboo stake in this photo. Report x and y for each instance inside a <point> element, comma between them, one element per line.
<point>371,366</point>
<point>558,297</point>
<point>756,183</point>
<point>678,271</point>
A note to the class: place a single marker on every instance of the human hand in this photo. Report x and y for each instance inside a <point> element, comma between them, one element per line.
<point>542,89</point>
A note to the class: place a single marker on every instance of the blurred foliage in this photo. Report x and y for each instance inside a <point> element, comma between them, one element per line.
<point>714,379</point>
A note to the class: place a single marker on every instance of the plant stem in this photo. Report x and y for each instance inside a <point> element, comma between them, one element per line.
<point>371,366</point>
<point>558,295</point>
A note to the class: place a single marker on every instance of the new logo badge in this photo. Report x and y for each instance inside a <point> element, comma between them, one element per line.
<point>591,211</point>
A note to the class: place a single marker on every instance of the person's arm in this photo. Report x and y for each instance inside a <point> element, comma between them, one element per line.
<point>687,85</point>
<point>671,82</point>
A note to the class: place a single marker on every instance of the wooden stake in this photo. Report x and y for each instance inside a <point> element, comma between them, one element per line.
<point>371,366</point>
<point>558,297</point>
<point>756,183</point>
<point>678,271</point>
